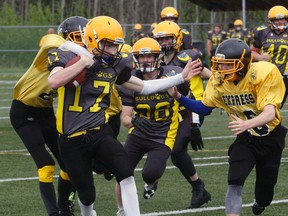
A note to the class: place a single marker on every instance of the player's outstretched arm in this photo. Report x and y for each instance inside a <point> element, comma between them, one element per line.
<point>191,104</point>
<point>191,69</point>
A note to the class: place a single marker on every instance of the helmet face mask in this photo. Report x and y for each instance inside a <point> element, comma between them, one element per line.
<point>108,57</point>
<point>149,48</point>
<point>71,28</point>
<point>167,43</point>
<point>166,29</point>
<point>238,24</point>
<point>102,32</point>
<point>278,18</point>
<point>231,61</point>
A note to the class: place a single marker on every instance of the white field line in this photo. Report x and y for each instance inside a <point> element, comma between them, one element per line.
<point>283,160</point>
<point>187,211</point>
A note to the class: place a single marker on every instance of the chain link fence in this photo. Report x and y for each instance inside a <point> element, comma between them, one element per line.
<point>20,44</point>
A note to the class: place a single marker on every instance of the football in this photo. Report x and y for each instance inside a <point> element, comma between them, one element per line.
<point>80,78</point>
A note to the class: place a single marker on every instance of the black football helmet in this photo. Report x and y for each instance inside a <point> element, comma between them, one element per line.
<point>70,29</point>
<point>232,52</point>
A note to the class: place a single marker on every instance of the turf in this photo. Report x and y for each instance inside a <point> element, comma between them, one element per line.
<point>19,192</point>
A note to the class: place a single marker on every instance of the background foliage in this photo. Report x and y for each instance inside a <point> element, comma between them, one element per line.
<point>24,22</point>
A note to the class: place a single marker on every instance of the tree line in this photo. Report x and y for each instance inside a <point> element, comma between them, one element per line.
<point>24,22</point>
<point>53,12</point>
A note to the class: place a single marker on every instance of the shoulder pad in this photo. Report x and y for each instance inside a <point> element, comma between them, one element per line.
<point>210,31</point>
<point>185,31</point>
<point>223,32</point>
<point>126,61</point>
<point>260,28</point>
<point>125,54</point>
<point>183,56</point>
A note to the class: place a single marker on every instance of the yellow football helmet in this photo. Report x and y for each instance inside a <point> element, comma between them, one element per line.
<point>146,46</point>
<point>238,22</point>
<point>169,29</point>
<point>102,30</point>
<point>276,13</point>
<point>153,25</point>
<point>169,12</point>
<point>137,26</point>
<point>235,53</point>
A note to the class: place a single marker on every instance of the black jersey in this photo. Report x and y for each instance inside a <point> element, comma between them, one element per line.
<point>242,35</point>
<point>276,45</point>
<point>187,40</point>
<point>180,59</point>
<point>216,38</point>
<point>159,108</point>
<point>85,107</point>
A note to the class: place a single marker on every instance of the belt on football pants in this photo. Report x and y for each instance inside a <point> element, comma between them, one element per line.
<point>83,132</point>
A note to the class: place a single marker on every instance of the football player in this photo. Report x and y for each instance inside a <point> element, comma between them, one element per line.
<point>171,14</point>
<point>215,37</point>
<point>251,94</point>
<point>271,44</point>
<point>137,33</point>
<point>153,126</point>
<point>32,117</point>
<point>81,113</point>
<point>169,36</point>
<point>239,32</point>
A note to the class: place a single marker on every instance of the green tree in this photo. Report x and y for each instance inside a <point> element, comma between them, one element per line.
<point>8,16</point>
<point>39,15</point>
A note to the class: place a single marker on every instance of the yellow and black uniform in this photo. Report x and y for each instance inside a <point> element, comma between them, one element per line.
<point>137,34</point>
<point>216,39</point>
<point>32,117</point>
<point>162,112</point>
<point>82,120</point>
<point>189,131</point>
<point>180,59</point>
<point>276,45</point>
<point>262,85</point>
<point>187,40</point>
<point>241,34</point>
<point>114,110</point>
<point>260,146</point>
<point>251,94</point>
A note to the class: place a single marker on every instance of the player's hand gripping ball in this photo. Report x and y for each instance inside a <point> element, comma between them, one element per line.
<point>80,78</point>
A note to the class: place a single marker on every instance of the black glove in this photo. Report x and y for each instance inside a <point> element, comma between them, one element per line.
<point>94,68</point>
<point>196,139</point>
<point>143,124</point>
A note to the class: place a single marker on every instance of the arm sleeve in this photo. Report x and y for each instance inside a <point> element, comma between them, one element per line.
<point>195,106</point>
<point>158,85</point>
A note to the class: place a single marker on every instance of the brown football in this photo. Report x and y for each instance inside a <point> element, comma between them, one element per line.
<point>80,78</point>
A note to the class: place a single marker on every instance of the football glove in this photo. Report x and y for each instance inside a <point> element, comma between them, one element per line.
<point>94,68</point>
<point>196,139</point>
<point>142,123</point>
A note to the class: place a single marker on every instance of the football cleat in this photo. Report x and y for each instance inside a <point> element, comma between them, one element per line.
<point>200,196</point>
<point>149,190</point>
<point>256,209</point>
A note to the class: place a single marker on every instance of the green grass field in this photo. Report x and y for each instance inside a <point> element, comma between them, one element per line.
<point>19,192</point>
